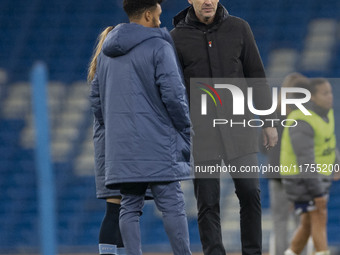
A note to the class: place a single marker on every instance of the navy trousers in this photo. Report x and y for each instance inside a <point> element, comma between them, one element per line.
<point>169,200</point>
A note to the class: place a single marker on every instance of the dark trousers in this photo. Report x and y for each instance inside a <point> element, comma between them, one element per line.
<point>207,192</point>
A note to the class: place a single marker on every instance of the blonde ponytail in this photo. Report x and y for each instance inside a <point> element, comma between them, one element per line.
<point>93,64</point>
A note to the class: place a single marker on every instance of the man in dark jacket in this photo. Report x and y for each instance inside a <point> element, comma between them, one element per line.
<point>143,105</point>
<point>212,44</point>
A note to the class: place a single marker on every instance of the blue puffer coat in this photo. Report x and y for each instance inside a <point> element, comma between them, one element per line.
<point>144,105</point>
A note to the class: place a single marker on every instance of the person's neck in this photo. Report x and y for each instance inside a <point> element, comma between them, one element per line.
<point>140,22</point>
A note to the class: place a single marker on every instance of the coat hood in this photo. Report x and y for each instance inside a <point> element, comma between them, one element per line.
<point>125,37</point>
<point>187,16</point>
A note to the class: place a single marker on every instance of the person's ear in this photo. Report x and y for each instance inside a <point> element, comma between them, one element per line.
<point>148,16</point>
<point>190,2</point>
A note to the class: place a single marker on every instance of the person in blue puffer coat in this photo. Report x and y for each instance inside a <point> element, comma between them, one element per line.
<point>145,112</point>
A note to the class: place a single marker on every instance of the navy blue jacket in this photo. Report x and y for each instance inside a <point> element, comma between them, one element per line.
<point>139,96</point>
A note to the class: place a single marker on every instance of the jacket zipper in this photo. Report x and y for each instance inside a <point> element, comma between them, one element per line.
<point>207,47</point>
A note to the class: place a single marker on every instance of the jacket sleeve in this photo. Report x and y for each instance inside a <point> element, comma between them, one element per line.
<point>254,72</point>
<point>302,138</point>
<point>172,90</point>
<point>95,100</point>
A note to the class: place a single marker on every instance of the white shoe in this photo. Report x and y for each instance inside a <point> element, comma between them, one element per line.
<point>108,249</point>
<point>290,252</point>
<point>323,253</point>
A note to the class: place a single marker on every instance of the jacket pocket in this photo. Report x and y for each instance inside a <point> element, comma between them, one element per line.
<point>183,145</point>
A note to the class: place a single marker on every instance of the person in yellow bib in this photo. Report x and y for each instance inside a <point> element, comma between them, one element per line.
<point>308,158</point>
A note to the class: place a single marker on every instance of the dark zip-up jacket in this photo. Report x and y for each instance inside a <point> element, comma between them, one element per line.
<point>224,49</point>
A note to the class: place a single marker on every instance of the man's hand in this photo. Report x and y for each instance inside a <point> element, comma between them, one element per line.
<point>336,176</point>
<point>270,137</point>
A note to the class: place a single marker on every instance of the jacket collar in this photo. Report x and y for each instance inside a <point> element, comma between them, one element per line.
<point>125,37</point>
<point>317,109</point>
<point>187,18</point>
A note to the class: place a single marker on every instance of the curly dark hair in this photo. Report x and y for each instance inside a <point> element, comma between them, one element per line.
<point>135,8</point>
